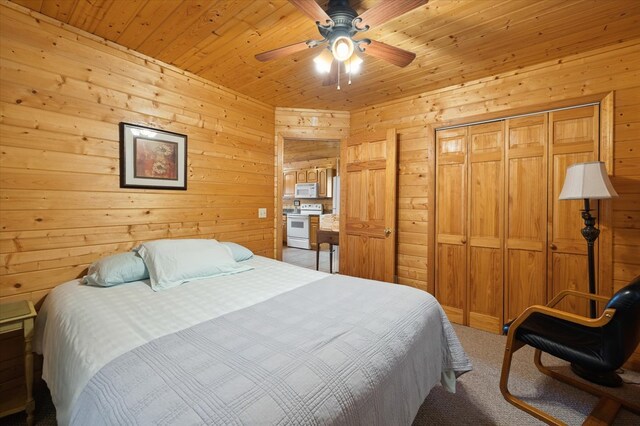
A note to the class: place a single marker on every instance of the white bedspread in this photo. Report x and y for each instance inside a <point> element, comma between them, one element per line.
<point>126,316</point>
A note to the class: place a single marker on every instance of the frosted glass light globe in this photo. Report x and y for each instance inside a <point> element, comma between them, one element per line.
<point>342,48</point>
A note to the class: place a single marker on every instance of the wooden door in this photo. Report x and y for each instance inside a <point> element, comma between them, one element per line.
<point>312,175</point>
<point>451,222</point>
<point>289,189</point>
<point>574,138</point>
<point>526,214</point>
<point>485,225</point>
<point>368,215</point>
<point>301,176</point>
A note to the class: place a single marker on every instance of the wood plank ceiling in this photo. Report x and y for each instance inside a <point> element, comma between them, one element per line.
<point>455,41</point>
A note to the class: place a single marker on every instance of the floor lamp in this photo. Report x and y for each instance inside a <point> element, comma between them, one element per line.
<point>589,181</point>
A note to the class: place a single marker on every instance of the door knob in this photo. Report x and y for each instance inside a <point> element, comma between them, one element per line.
<point>463,240</point>
<point>553,246</point>
<point>387,232</point>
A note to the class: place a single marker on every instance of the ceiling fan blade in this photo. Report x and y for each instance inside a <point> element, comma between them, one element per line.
<point>281,52</point>
<point>312,10</point>
<point>391,54</point>
<point>386,10</point>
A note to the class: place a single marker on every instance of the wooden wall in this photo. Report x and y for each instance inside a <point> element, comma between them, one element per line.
<point>63,93</point>
<point>303,124</point>
<point>615,68</point>
<point>564,82</point>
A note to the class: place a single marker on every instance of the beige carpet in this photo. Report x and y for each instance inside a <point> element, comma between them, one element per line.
<point>478,400</point>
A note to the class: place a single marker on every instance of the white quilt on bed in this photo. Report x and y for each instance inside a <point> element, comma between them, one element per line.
<point>80,330</point>
<point>124,317</point>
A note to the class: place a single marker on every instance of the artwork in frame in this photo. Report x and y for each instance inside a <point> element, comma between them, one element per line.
<point>152,158</point>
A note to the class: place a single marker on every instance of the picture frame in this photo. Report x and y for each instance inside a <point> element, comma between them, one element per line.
<point>152,158</point>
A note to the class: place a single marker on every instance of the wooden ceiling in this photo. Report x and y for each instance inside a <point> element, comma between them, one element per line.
<point>455,41</point>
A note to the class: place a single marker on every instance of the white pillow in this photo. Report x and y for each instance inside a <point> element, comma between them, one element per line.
<point>239,253</point>
<point>116,269</point>
<point>173,262</point>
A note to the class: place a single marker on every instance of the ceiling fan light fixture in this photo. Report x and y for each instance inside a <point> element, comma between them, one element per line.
<point>342,48</point>
<point>352,66</point>
<point>323,61</point>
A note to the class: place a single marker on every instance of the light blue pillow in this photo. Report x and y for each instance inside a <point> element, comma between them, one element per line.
<point>238,252</point>
<point>116,269</point>
<point>173,262</point>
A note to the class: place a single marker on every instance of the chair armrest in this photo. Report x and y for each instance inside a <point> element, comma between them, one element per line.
<point>567,316</point>
<point>581,294</point>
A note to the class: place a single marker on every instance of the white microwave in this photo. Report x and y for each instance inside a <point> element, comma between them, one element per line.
<point>306,190</point>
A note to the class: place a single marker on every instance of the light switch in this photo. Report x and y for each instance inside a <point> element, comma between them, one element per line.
<point>262,213</point>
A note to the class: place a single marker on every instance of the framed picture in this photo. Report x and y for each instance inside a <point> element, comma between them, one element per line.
<point>152,158</point>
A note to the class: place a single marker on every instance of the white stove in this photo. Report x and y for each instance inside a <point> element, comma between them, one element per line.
<point>298,225</point>
<point>311,209</point>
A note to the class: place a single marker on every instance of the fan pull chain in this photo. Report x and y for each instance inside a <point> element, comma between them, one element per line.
<point>338,88</point>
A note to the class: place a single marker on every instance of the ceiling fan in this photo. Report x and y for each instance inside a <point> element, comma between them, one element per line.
<point>338,25</point>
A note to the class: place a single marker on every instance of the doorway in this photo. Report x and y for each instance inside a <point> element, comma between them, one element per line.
<point>313,166</point>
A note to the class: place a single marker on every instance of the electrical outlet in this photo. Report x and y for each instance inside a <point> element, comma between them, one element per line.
<point>262,213</point>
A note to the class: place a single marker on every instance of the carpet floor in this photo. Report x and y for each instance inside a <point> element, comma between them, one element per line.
<point>477,400</point>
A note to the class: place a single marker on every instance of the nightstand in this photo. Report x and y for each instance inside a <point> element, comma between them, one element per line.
<point>20,316</point>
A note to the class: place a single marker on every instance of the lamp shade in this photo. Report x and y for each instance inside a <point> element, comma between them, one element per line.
<point>587,180</point>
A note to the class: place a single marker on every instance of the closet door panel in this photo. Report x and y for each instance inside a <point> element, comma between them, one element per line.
<point>570,271</point>
<point>526,275</point>
<point>451,280</point>
<point>451,191</point>
<point>573,136</point>
<point>451,222</point>
<point>526,216</point>
<point>486,143</point>
<point>485,293</point>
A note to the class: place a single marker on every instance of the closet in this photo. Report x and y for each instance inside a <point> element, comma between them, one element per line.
<point>503,239</point>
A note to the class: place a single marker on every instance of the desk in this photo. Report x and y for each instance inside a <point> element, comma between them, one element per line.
<point>330,237</point>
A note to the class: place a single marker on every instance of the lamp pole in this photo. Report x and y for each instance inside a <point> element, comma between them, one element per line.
<point>590,233</point>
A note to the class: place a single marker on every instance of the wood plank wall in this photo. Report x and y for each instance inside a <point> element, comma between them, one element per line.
<point>615,68</point>
<point>302,124</point>
<point>63,93</point>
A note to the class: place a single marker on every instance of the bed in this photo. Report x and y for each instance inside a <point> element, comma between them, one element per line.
<point>275,344</point>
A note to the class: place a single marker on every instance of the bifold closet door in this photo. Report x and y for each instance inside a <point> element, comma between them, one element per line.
<point>451,222</point>
<point>485,224</point>
<point>526,214</point>
<point>574,138</point>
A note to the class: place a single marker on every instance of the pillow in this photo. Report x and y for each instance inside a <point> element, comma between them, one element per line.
<point>116,269</point>
<point>173,262</point>
<point>238,252</point>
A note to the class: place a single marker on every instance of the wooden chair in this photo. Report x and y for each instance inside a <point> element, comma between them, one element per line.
<point>599,345</point>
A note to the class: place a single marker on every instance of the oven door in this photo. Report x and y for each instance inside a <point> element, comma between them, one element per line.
<point>298,231</point>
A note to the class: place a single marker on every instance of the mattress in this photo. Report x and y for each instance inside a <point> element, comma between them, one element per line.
<point>85,332</point>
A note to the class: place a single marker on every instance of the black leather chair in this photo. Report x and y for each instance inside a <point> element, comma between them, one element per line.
<point>594,347</point>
